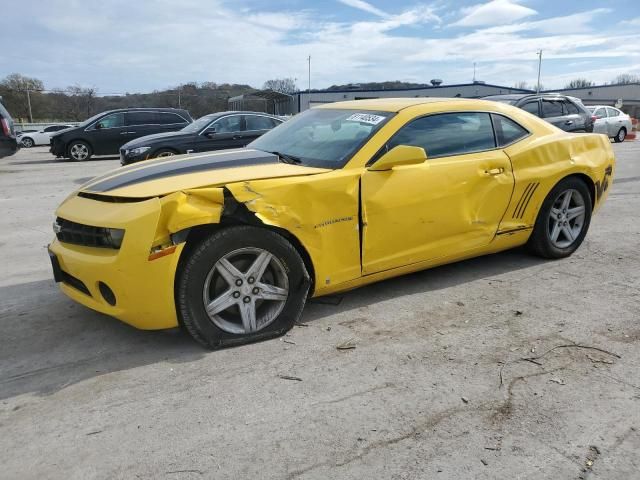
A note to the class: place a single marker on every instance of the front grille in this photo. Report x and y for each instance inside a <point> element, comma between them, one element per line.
<point>75,283</point>
<point>85,235</point>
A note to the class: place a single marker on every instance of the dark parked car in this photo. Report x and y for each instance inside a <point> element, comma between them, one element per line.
<point>216,131</point>
<point>567,113</point>
<point>8,141</point>
<point>105,133</point>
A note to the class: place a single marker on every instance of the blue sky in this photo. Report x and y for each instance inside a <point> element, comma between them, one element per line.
<point>142,45</point>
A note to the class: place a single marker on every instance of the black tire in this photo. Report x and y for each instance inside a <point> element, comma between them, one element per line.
<point>163,152</point>
<point>540,242</point>
<point>194,272</point>
<point>77,146</point>
<point>27,142</point>
<point>620,136</point>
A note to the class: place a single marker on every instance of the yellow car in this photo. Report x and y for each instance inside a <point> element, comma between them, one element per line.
<point>231,244</point>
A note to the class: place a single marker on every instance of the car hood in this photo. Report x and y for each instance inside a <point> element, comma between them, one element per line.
<point>148,139</point>
<point>158,177</point>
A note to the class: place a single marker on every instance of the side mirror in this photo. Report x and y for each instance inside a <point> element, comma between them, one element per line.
<point>99,125</point>
<point>398,156</point>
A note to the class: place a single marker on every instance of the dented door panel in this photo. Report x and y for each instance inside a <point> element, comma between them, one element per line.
<point>440,208</point>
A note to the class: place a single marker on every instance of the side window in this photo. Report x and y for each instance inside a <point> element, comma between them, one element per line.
<point>447,134</point>
<point>531,107</point>
<point>507,131</point>
<point>570,108</point>
<point>142,118</point>
<point>114,120</point>
<point>601,113</point>
<point>613,112</point>
<point>551,108</point>
<point>170,118</point>
<point>227,124</point>
<point>256,122</point>
<point>275,122</point>
<point>50,129</point>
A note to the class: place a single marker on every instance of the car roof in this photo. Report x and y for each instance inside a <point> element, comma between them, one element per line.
<point>145,109</point>
<point>389,104</point>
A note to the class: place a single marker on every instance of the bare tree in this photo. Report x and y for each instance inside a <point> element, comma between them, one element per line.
<point>522,85</point>
<point>18,91</point>
<point>626,78</point>
<point>81,101</point>
<point>282,85</point>
<point>579,83</point>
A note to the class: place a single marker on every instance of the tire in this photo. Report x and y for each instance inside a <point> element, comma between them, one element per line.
<point>27,142</point>
<point>567,225</point>
<point>620,136</point>
<point>163,152</point>
<point>204,278</point>
<point>79,151</point>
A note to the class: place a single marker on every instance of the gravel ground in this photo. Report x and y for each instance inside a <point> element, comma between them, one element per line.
<point>420,397</point>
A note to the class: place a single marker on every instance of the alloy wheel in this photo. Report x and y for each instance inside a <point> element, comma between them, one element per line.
<point>245,291</point>
<point>79,151</point>
<point>27,143</point>
<point>621,135</point>
<point>566,218</point>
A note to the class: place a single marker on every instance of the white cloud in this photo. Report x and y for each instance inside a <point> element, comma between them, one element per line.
<point>365,6</point>
<point>634,22</point>
<point>495,12</point>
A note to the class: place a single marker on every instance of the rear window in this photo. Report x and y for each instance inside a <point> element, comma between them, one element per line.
<point>166,118</point>
<point>142,118</point>
<point>507,131</point>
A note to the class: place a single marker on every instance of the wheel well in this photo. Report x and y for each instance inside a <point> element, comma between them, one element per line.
<point>167,149</point>
<point>198,233</point>
<point>589,183</point>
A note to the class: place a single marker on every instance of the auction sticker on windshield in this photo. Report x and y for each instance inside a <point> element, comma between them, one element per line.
<point>366,118</point>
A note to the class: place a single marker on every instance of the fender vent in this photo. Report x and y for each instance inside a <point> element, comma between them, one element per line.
<point>523,203</point>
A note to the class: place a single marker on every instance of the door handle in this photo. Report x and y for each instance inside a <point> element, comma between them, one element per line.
<point>494,171</point>
<point>569,122</point>
<point>123,133</point>
<point>236,137</point>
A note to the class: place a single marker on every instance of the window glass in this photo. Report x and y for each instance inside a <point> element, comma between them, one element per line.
<point>111,121</point>
<point>256,122</point>
<point>142,118</point>
<point>551,108</point>
<point>447,134</point>
<point>507,131</point>
<point>170,118</point>
<point>612,112</point>
<point>227,124</point>
<point>531,107</point>
<point>50,129</point>
<point>570,108</point>
<point>601,112</point>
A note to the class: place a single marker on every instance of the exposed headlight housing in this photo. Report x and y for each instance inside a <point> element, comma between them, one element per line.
<point>138,151</point>
<point>87,235</point>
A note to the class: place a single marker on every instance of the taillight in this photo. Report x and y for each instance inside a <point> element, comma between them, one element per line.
<point>5,126</point>
<point>593,118</point>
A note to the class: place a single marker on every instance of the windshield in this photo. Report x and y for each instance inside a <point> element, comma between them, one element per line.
<point>91,119</point>
<point>198,125</point>
<point>322,137</point>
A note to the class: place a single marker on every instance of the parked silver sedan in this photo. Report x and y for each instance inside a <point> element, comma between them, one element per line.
<point>610,121</point>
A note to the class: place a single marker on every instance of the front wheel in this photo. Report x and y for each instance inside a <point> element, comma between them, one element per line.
<point>27,142</point>
<point>79,151</point>
<point>164,152</point>
<point>240,285</point>
<point>620,136</point>
<point>563,220</point>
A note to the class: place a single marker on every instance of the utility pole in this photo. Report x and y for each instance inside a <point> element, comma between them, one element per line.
<point>179,99</point>
<point>539,68</point>
<point>309,60</point>
<point>29,104</point>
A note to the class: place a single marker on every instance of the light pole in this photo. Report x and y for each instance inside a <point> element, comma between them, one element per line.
<point>309,60</point>
<point>539,68</point>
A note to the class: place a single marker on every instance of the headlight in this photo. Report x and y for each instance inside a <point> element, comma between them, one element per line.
<point>138,151</point>
<point>114,236</point>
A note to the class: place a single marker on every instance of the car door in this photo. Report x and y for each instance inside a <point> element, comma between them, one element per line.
<point>107,134</point>
<point>553,112</point>
<point>257,125</point>
<point>141,123</point>
<point>222,133</point>
<point>601,125</point>
<point>444,207</point>
<point>572,116</point>
<point>614,121</point>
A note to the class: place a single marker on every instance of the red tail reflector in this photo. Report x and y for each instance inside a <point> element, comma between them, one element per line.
<point>5,126</point>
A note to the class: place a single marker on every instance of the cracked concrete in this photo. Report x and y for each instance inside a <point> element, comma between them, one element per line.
<point>83,396</point>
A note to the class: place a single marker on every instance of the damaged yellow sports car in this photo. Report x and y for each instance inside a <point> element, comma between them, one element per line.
<point>231,244</point>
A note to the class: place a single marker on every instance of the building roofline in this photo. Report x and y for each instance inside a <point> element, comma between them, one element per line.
<point>593,86</point>
<point>426,87</point>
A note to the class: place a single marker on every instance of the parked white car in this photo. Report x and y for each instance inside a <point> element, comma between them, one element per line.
<point>41,137</point>
<point>610,121</point>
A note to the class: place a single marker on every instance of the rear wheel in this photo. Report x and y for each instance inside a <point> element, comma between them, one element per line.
<point>27,142</point>
<point>563,220</point>
<point>240,285</point>
<point>79,151</point>
<point>620,136</point>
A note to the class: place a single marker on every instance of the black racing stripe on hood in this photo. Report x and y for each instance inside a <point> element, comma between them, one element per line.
<point>156,170</point>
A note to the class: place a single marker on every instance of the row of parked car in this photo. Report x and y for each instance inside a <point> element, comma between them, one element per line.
<point>138,134</point>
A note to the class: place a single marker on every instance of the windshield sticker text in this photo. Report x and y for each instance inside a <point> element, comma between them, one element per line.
<point>366,118</point>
